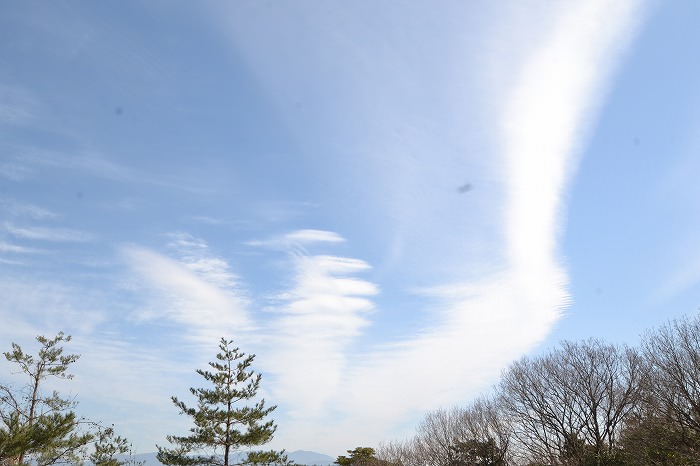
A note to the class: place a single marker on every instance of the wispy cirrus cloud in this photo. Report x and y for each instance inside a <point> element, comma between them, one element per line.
<point>32,161</point>
<point>196,292</point>
<point>482,319</point>
<point>16,249</point>
<point>48,234</point>
<point>544,120</point>
<point>45,306</point>
<point>314,236</point>
<point>194,254</point>
<point>299,238</point>
<point>26,210</point>
<point>389,131</point>
<point>113,362</point>
<point>548,114</point>
<point>314,323</point>
<point>307,327</point>
<point>486,314</point>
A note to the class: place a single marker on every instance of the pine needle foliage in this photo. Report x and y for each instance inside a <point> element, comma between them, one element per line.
<point>37,427</point>
<point>223,422</point>
<point>41,428</point>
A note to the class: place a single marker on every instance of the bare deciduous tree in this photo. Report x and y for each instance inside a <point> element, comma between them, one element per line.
<point>673,352</point>
<point>477,434</point>
<point>399,453</point>
<point>436,437</point>
<point>572,402</point>
<point>483,423</point>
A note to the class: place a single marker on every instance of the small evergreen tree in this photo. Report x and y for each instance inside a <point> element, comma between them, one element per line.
<point>360,456</point>
<point>108,447</point>
<point>474,452</point>
<point>43,429</point>
<point>37,427</point>
<point>221,426</point>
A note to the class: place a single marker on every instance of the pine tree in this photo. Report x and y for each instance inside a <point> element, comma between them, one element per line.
<point>43,429</point>
<point>221,425</point>
<point>360,456</point>
<point>109,446</point>
<point>37,427</point>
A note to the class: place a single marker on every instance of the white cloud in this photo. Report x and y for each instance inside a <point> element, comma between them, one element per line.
<point>198,294</point>
<point>194,254</point>
<point>336,391</point>
<point>29,161</point>
<point>23,209</point>
<point>117,371</point>
<point>314,236</point>
<point>31,307</point>
<point>476,327</point>
<point>15,249</point>
<point>317,319</point>
<point>299,239</point>
<point>48,234</point>
<point>546,117</point>
<point>94,163</point>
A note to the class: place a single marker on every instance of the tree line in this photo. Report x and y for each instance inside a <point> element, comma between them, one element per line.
<point>41,429</point>
<point>586,403</point>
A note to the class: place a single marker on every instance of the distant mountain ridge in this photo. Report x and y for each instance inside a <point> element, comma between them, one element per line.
<point>310,458</point>
<point>301,457</point>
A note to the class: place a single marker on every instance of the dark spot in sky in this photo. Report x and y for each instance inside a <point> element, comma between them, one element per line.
<point>79,195</point>
<point>465,188</point>
<point>118,111</point>
<point>635,140</point>
<point>298,105</point>
<point>598,291</point>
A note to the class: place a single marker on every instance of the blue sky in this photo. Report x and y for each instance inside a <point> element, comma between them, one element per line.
<point>385,202</point>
